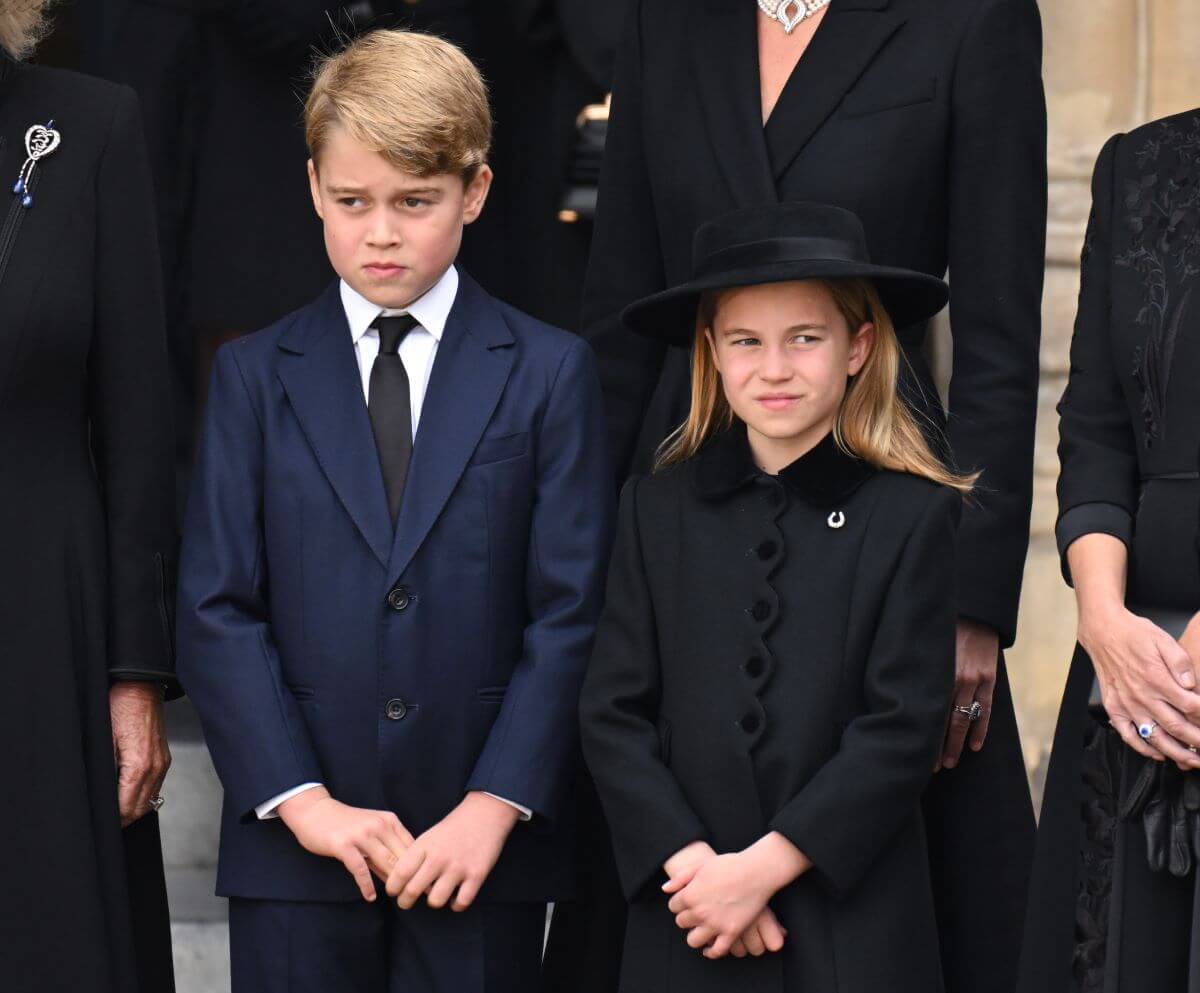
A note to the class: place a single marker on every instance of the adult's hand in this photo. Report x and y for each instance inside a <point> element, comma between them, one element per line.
<point>1145,676</point>
<point>140,749</point>
<point>976,663</point>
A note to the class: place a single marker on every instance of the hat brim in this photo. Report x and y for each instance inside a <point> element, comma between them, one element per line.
<point>911,298</point>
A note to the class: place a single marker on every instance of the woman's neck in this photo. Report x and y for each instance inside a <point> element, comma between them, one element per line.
<point>779,53</point>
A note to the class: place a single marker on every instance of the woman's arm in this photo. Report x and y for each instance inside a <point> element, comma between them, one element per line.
<point>649,816</point>
<point>626,258</point>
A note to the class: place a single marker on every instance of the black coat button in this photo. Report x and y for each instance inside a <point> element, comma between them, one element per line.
<point>754,667</point>
<point>761,610</point>
<point>767,550</point>
<point>396,710</point>
<point>750,723</point>
<point>399,598</point>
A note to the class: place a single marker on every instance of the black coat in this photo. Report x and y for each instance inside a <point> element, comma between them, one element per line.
<point>926,118</point>
<point>86,537</point>
<point>1129,438</point>
<point>760,668</point>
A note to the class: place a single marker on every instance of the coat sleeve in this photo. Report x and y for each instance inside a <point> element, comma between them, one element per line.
<point>849,811</point>
<point>648,814</point>
<point>626,259</point>
<point>997,254</point>
<point>228,661</point>
<point>130,412</point>
<point>530,750</point>
<point>1097,487</point>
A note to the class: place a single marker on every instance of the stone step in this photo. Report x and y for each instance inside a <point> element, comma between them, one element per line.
<point>201,957</point>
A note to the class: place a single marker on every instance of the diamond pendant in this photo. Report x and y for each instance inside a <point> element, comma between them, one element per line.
<point>789,21</point>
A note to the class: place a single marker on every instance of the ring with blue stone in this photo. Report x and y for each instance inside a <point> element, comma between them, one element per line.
<point>1147,729</point>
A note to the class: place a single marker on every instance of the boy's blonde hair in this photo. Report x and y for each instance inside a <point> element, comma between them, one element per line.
<point>22,25</point>
<point>415,99</point>
<point>873,424</point>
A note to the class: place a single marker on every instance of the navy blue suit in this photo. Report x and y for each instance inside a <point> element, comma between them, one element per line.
<point>402,667</point>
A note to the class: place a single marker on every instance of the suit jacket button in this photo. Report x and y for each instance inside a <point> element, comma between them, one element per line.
<point>396,710</point>
<point>754,667</point>
<point>750,723</point>
<point>398,599</point>
<point>761,610</point>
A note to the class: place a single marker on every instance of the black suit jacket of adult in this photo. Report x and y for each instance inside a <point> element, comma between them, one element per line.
<point>925,117</point>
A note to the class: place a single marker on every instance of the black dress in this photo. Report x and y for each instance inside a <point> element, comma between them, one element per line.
<point>927,119</point>
<point>1099,919</point>
<point>776,653</point>
<point>86,537</point>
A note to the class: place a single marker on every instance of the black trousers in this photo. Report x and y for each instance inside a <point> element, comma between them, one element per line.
<point>293,947</point>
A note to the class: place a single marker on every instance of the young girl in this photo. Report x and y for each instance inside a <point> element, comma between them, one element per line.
<point>769,684</point>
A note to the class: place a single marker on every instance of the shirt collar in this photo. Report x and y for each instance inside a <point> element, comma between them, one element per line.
<point>822,476</point>
<point>431,310</point>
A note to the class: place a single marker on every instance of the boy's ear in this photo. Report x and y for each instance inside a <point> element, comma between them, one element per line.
<point>476,193</point>
<point>860,348</point>
<point>314,187</point>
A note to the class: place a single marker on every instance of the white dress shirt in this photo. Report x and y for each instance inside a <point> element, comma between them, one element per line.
<point>417,352</point>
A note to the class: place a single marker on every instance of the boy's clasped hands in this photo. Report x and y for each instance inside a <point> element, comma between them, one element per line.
<point>448,864</point>
<point>721,900</point>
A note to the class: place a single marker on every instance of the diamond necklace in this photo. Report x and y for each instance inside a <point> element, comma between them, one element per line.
<point>790,13</point>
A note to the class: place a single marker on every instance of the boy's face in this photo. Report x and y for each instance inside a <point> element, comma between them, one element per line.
<point>784,351</point>
<point>390,234</point>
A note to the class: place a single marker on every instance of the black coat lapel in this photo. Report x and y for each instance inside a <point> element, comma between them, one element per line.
<point>320,375</point>
<point>849,37</point>
<point>469,374</point>
<point>723,41</point>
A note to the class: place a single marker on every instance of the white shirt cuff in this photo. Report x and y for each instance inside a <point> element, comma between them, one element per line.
<point>525,812</point>
<point>270,810</point>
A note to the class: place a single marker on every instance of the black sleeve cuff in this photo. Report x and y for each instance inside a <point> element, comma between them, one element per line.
<point>171,688</point>
<point>1091,518</point>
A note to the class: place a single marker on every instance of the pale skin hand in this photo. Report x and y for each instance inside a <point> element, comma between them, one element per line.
<point>728,893</point>
<point>1144,674</point>
<point>452,860</point>
<point>364,841</point>
<point>140,750</point>
<point>765,933</point>
<point>976,664</point>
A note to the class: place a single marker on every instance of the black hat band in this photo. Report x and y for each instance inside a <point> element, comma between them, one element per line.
<point>756,253</point>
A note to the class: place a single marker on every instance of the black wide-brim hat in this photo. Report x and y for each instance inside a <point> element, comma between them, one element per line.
<point>781,243</point>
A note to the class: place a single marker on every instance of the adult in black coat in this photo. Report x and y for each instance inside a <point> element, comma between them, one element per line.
<point>1100,917</point>
<point>927,118</point>
<point>86,544</point>
<point>758,669</point>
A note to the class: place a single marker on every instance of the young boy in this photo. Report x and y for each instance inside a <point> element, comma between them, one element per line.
<point>390,572</point>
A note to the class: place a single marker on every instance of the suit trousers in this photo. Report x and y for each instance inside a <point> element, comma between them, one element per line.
<point>281,946</point>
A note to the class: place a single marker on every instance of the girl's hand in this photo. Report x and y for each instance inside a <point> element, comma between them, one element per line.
<point>1145,677</point>
<point>766,934</point>
<point>724,897</point>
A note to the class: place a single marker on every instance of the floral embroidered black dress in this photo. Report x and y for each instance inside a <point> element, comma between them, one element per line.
<point>1101,919</point>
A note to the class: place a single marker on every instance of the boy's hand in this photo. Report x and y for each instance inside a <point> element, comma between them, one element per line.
<point>728,893</point>
<point>364,841</point>
<point>455,855</point>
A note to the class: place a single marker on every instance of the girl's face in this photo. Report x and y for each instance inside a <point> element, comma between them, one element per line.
<point>784,353</point>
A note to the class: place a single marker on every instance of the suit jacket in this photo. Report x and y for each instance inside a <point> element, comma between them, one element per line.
<point>925,117</point>
<point>401,667</point>
<point>757,669</point>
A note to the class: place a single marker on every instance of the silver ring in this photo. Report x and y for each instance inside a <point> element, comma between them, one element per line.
<point>156,802</point>
<point>972,713</point>
<point>1146,730</point>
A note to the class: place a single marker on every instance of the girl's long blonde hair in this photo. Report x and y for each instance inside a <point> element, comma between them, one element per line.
<point>873,423</point>
<point>22,25</point>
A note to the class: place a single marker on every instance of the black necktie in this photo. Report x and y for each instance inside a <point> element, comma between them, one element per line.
<point>390,408</point>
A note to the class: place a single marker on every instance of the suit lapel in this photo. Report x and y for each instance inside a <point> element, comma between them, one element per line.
<point>469,374</point>
<point>320,375</point>
<point>724,49</point>
<point>849,37</point>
